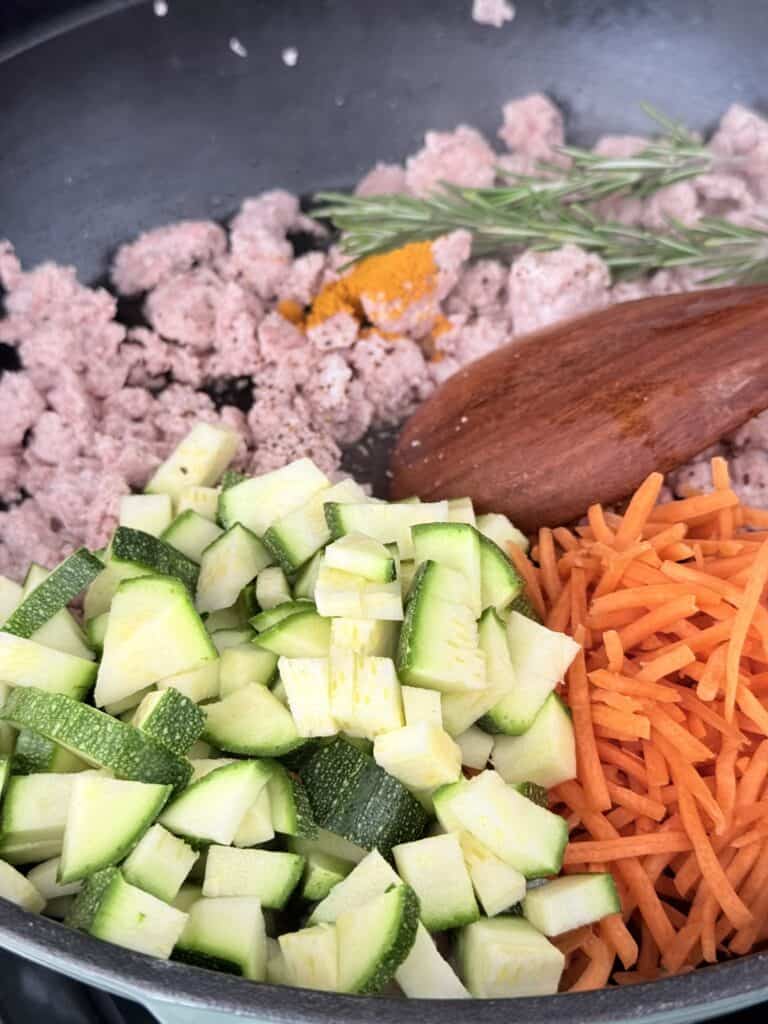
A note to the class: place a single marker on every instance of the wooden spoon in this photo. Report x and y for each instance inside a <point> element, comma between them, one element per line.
<point>582,411</point>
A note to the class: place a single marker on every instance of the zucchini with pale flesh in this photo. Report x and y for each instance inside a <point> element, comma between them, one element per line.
<point>244,664</point>
<point>385,522</point>
<point>134,550</point>
<point>435,869</point>
<point>10,596</point>
<point>421,756</point>
<point>109,908</point>
<point>26,663</point>
<point>211,809</point>
<point>475,746</point>
<point>339,593</point>
<point>198,684</point>
<point>364,636</point>
<point>264,620</point>
<point>504,957</point>
<point>54,593</point>
<point>225,934</point>
<point>227,565</point>
<point>190,533</point>
<point>306,578</point>
<point>159,863</point>
<point>329,843</point>
<point>35,808</point>
<point>45,878</point>
<point>362,556</point>
<point>251,720</point>
<point>545,753</point>
<point>456,546</point>
<point>375,939</point>
<point>61,631</point>
<point>501,531</point>
<point>17,889</point>
<point>151,513</point>
<point>365,694</point>
<point>497,885</point>
<point>258,502</point>
<point>461,510</point>
<point>199,460</point>
<point>223,639</point>
<point>95,737</point>
<point>424,974</point>
<point>153,632</point>
<point>501,583</point>
<point>322,871</point>
<point>269,875</point>
<point>311,957</point>
<point>200,499</point>
<point>421,705</point>
<point>369,879</point>
<point>290,807</point>
<point>571,902</point>
<point>307,685</point>
<point>170,718</point>
<point>96,630</point>
<point>272,587</point>
<point>256,827</point>
<point>130,808</point>
<point>304,634</point>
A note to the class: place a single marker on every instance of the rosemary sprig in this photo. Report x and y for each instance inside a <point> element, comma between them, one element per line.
<point>547,212</point>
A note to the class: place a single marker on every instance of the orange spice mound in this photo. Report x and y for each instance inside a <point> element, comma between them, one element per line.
<point>670,710</point>
<point>397,278</point>
<point>291,310</point>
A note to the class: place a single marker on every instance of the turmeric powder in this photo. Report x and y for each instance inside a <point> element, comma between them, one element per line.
<point>396,278</point>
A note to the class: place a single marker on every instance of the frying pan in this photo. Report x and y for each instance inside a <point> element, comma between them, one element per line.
<point>114,120</point>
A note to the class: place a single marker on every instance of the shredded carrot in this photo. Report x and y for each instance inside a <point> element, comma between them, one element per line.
<point>636,687</point>
<point>638,511</point>
<point>666,664</point>
<point>698,507</point>
<point>665,615</point>
<point>758,577</point>
<point>627,846</point>
<point>523,565</point>
<point>600,529</point>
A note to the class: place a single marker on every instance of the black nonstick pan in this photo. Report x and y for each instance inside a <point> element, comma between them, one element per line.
<point>113,120</point>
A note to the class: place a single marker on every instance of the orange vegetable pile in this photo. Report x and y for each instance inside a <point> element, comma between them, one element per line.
<point>670,710</point>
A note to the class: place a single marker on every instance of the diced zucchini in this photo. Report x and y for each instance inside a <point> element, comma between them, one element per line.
<point>159,863</point>
<point>456,546</point>
<point>460,711</point>
<point>203,500</point>
<point>19,890</point>
<point>212,808</point>
<point>339,593</point>
<point>256,827</point>
<point>365,694</point>
<point>96,630</point>
<point>243,665</point>
<point>260,501</point>
<point>226,934</point>
<point>304,634</point>
<point>421,756</point>
<point>529,838</point>
<point>461,510</point>
<point>388,523</point>
<point>501,582</point>
<point>438,646</point>
<point>188,894</point>
<point>271,616</point>
<point>372,877</point>
<point>98,597</point>
<point>35,807</point>
<point>128,807</point>
<point>352,796</point>
<point>170,718</point>
<point>523,604</point>
<point>498,886</point>
<point>375,939</point>
<point>134,551</point>
<point>10,597</point>
<point>424,974</point>
<point>420,705</point>
<point>197,684</point>
<point>223,639</point>
<point>198,460</point>
<point>25,663</point>
<point>227,618</point>
<point>24,852</point>
<point>504,957</point>
<point>153,632</point>
<point>501,531</point>
<point>272,587</point>
<point>571,902</point>
<point>52,594</point>
<point>191,534</point>
<point>311,958</point>
<point>295,537</point>
<point>36,753</point>
<point>95,737</point>
<point>321,873</point>
<point>434,868</point>
<point>306,577</point>
<point>476,747</point>
<point>45,878</point>
<point>110,909</point>
<point>227,565</point>
<point>269,875</point>
<point>544,754</point>
<point>362,556</point>
<point>7,732</point>
<point>308,688</point>
<point>540,658</point>
<point>5,773</point>
<point>330,844</point>
<point>150,513</point>
<point>290,807</point>
<point>251,721</point>
<point>364,636</point>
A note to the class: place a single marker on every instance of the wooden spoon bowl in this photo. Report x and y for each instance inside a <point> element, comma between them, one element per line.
<point>582,411</point>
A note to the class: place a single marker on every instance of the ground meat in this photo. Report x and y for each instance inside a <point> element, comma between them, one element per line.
<point>10,267</point>
<point>461,157</point>
<point>549,286</point>
<point>27,535</point>
<point>237,315</point>
<point>480,287</point>
<point>338,331</point>
<point>533,127</point>
<point>10,469</point>
<point>303,281</point>
<point>336,401</point>
<point>283,430</point>
<point>278,335</point>
<point>675,202</point>
<point>158,254</point>
<point>382,180</point>
<point>21,404</point>
<point>741,141</point>
<point>696,476</point>
<point>492,12</point>
<point>749,473</point>
<point>394,374</point>
<point>152,361</point>
<point>183,308</point>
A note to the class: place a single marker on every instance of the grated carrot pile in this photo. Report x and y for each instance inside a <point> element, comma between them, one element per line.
<point>669,700</point>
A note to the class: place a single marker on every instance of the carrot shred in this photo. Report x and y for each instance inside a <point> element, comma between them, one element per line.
<point>528,571</point>
<point>639,509</point>
<point>600,529</point>
<point>550,577</point>
<point>695,508</point>
<point>614,650</point>
<point>758,577</point>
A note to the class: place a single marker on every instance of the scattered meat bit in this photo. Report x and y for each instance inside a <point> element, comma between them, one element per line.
<point>259,258</point>
<point>481,336</point>
<point>173,249</point>
<point>620,146</point>
<point>533,127</point>
<point>21,404</point>
<point>492,12</point>
<point>276,212</point>
<point>382,180</point>
<point>720,194</point>
<point>697,475</point>
<point>278,335</point>
<point>235,346</point>
<point>183,308</point>
<point>27,535</point>
<point>10,466</point>
<point>461,157</point>
<point>742,142</point>
<point>628,291</point>
<point>336,401</point>
<point>749,473</point>
<point>752,434</point>
<point>282,431</point>
<point>151,359</point>
<point>394,374</point>
<point>337,331</point>
<point>10,267</point>
<point>549,286</point>
<point>675,202</point>
<point>481,285</point>
<point>304,279</point>
<point>450,253</point>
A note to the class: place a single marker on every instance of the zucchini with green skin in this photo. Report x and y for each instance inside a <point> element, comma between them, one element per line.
<point>505,957</point>
<point>304,634</point>
<point>252,721</point>
<point>229,563</point>
<point>95,737</point>
<point>501,583</point>
<point>385,522</point>
<point>128,807</point>
<point>151,513</point>
<point>368,879</point>
<point>35,753</point>
<point>375,939</point>
<point>170,718</point>
<point>225,934</point>
<point>362,556</point>
<point>23,852</point>
<point>159,863</point>
<point>258,502</point>
<point>306,578</point>
<point>501,531</point>
<point>136,550</point>
<point>63,585</point>
<point>264,620</point>
<point>322,872</point>
<point>268,875</point>
<point>435,869</point>
<point>456,546</point>
<point>291,810</point>
<point>17,889</point>
<point>544,754</point>
<point>26,663</point>
<point>199,459</point>
<point>62,631</point>
<point>190,533</point>
<point>211,809</point>
<point>244,664</point>
<point>311,958</point>
<point>524,606</point>
<point>571,902</point>
<point>109,908</point>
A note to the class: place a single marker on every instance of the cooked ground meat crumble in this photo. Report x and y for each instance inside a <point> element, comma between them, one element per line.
<point>97,404</point>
